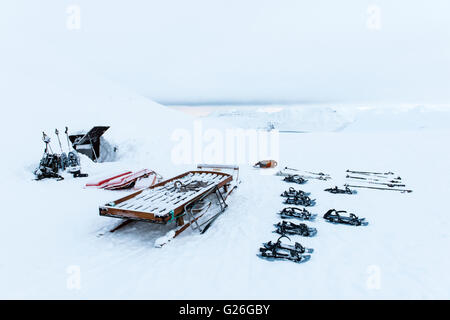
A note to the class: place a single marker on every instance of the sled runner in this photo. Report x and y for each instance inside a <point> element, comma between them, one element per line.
<point>334,216</point>
<point>293,212</point>
<point>289,228</point>
<point>183,196</point>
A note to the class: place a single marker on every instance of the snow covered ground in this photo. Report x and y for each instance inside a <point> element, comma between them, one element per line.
<point>51,232</point>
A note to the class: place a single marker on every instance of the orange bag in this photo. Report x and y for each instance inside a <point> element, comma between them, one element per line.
<point>266,164</point>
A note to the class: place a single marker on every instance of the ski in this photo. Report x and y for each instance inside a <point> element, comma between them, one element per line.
<point>334,216</point>
<point>395,180</point>
<point>126,181</point>
<point>293,212</point>
<point>371,172</point>
<point>290,228</point>
<point>311,175</point>
<point>380,188</point>
<point>336,190</point>
<point>391,185</point>
<point>294,193</point>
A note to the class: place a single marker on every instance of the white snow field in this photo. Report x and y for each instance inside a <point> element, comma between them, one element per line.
<point>51,234</point>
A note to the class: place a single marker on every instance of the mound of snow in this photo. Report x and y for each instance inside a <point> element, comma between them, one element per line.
<point>42,96</point>
<point>286,118</point>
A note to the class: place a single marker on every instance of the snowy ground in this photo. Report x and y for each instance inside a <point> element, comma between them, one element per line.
<point>49,228</point>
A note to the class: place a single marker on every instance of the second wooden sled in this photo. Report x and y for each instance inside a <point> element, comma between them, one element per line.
<point>174,200</point>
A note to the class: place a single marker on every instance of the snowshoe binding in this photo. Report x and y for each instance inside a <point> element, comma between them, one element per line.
<point>334,216</point>
<point>278,245</point>
<point>293,212</point>
<point>336,190</point>
<point>294,193</point>
<point>295,179</point>
<point>300,201</point>
<point>289,228</point>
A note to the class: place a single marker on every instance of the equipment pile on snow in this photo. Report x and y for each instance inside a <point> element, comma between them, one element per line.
<point>51,163</point>
<point>385,180</point>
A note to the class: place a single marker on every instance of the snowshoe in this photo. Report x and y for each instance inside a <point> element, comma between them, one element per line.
<point>336,190</point>
<point>73,165</point>
<point>293,212</point>
<point>281,246</point>
<point>289,228</point>
<point>294,193</point>
<point>300,201</point>
<point>334,216</point>
<point>274,255</point>
<point>295,179</point>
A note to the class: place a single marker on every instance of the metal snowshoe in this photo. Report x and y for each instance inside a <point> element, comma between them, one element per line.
<point>293,212</point>
<point>336,190</point>
<point>278,245</point>
<point>334,216</point>
<point>300,201</point>
<point>294,193</point>
<point>289,228</point>
<point>295,179</point>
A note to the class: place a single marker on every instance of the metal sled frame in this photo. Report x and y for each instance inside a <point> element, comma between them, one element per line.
<point>163,203</point>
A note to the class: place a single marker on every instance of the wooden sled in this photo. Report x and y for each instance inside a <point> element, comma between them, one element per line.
<point>172,200</point>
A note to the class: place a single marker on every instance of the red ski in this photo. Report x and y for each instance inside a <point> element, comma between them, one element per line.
<point>128,181</point>
<point>100,184</point>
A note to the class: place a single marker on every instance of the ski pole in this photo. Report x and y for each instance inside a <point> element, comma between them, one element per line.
<point>67,136</point>
<point>57,134</point>
<point>370,172</point>
<point>378,188</point>
<point>46,140</point>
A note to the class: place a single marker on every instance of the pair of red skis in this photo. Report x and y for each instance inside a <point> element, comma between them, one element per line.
<point>126,180</point>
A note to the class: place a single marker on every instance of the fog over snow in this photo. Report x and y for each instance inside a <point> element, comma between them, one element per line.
<point>208,51</point>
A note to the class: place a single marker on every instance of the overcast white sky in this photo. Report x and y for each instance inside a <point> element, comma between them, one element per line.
<point>189,51</point>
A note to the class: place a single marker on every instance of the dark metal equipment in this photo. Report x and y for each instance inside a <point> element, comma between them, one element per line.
<point>89,143</point>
